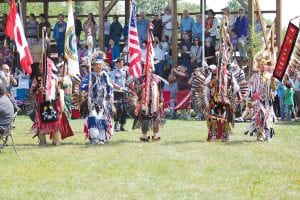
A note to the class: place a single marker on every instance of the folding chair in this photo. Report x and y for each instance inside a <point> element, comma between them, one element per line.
<point>4,134</point>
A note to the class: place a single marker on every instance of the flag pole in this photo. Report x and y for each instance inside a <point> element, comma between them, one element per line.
<point>20,12</point>
<point>203,36</point>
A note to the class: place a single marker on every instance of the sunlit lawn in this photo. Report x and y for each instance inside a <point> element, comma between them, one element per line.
<point>181,166</point>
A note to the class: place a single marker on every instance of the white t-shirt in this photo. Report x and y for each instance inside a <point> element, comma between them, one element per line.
<point>164,19</point>
<point>159,52</point>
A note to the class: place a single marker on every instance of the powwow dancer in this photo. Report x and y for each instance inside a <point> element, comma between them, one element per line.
<point>46,103</point>
<point>148,89</point>
<point>261,90</point>
<point>96,93</point>
<point>218,93</point>
<point>50,117</point>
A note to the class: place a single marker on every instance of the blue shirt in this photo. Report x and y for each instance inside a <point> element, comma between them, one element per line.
<point>118,76</point>
<point>187,24</point>
<point>241,27</point>
<point>197,30</point>
<point>142,27</point>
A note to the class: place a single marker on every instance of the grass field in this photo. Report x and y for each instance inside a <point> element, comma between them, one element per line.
<point>181,166</point>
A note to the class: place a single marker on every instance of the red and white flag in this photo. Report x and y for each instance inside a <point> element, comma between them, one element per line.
<point>149,65</point>
<point>14,29</point>
<point>135,65</point>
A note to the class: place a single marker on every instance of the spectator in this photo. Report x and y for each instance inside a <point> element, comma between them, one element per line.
<point>125,29</point>
<point>234,40</point>
<point>210,52</point>
<point>230,17</point>
<point>142,27</point>
<point>297,93</point>
<point>2,27</point>
<point>116,30</point>
<point>59,34</point>
<point>125,53</point>
<point>160,53</point>
<point>280,90</point>
<point>196,54</point>
<point>44,23</point>
<point>106,31</point>
<point>89,26</point>
<point>197,29</point>
<point>211,24</point>
<point>241,27</point>
<point>112,53</point>
<point>78,28</point>
<point>9,82</point>
<point>6,109</point>
<point>187,23</point>
<point>289,102</point>
<point>32,30</point>
<point>157,26</point>
<point>184,51</point>
<point>6,55</point>
<point>182,79</point>
<point>144,51</point>
<point>167,22</point>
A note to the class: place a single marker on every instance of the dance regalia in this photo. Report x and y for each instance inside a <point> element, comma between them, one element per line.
<point>148,116</point>
<point>261,91</point>
<point>49,117</point>
<point>220,110</point>
<point>218,93</point>
<point>98,125</point>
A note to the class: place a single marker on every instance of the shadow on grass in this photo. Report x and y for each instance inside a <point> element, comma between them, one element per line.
<point>239,142</point>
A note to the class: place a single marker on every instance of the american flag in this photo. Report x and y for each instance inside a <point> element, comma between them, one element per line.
<point>149,66</point>
<point>135,65</point>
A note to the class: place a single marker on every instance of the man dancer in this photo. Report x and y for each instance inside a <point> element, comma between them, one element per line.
<point>98,124</point>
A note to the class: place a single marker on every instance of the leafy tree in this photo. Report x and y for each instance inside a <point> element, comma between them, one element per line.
<point>234,5</point>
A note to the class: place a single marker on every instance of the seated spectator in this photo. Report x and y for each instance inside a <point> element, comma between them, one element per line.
<point>184,52</point>
<point>196,53</point>
<point>210,52</point>
<point>197,28</point>
<point>6,109</point>
<point>247,114</point>
<point>160,50</point>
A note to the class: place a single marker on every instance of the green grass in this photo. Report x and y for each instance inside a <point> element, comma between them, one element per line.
<point>181,166</point>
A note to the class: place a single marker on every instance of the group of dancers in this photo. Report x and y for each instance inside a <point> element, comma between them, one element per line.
<point>105,97</point>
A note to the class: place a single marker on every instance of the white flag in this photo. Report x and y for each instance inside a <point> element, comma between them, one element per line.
<point>71,44</point>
